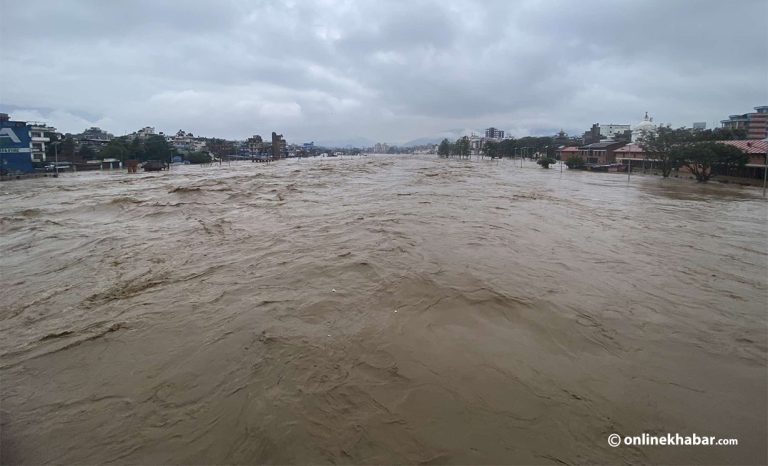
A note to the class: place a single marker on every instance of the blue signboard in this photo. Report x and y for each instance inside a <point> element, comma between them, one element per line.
<point>15,149</point>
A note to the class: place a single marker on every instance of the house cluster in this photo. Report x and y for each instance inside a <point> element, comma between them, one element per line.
<point>607,144</point>
<point>31,147</point>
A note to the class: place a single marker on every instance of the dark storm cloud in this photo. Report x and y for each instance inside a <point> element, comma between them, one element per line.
<point>385,70</point>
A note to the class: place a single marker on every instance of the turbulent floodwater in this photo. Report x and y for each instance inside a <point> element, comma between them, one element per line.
<point>379,310</point>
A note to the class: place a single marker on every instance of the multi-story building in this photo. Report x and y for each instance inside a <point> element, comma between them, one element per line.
<point>185,142</point>
<point>278,146</point>
<point>600,152</point>
<point>41,135</point>
<point>610,132</point>
<point>255,144</point>
<point>754,124</point>
<point>493,133</point>
<point>15,146</point>
<point>144,132</point>
<point>380,148</point>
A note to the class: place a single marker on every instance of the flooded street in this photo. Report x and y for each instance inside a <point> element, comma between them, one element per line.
<point>382,309</point>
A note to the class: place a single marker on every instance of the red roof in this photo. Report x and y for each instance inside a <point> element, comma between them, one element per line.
<point>750,146</point>
<point>633,147</point>
<point>570,149</point>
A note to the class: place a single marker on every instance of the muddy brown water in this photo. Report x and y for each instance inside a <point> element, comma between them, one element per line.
<point>387,309</point>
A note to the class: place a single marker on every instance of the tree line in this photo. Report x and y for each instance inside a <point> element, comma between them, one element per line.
<point>526,146</point>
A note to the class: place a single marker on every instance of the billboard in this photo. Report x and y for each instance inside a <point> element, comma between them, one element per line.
<point>15,149</point>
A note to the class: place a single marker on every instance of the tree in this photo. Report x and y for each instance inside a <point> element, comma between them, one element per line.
<point>136,149</point>
<point>67,149</point>
<point>156,148</point>
<point>545,162</point>
<point>462,147</point>
<point>701,157</point>
<point>86,152</point>
<point>491,149</point>
<point>665,146</point>
<point>116,149</point>
<point>507,148</point>
<point>444,150</point>
<point>574,161</point>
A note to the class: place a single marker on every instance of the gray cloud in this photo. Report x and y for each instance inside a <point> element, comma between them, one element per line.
<point>388,71</point>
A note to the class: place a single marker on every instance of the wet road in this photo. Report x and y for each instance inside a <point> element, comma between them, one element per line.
<point>387,309</point>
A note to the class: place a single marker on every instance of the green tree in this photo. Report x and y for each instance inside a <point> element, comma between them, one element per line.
<point>462,147</point>
<point>666,145</point>
<point>157,148</point>
<point>444,150</point>
<point>136,149</point>
<point>701,157</point>
<point>545,162</point>
<point>507,147</point>
<point>574,161</point>
<point>116,149</point>
<point>491,149</point>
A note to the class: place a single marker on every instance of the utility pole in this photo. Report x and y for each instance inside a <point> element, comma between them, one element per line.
<point>56,159</point>
<point>765,173</point>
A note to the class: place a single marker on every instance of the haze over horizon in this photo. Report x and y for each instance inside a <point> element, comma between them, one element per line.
<point>391,71</point>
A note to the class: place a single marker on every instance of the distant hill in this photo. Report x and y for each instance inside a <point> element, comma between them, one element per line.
<point>450,134</point>
<point>422,142</point>
<point>346,143</point>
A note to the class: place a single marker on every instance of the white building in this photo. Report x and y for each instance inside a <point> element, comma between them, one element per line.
<point>610,131</point>
<point>40,135</point>
<point>643,128</point>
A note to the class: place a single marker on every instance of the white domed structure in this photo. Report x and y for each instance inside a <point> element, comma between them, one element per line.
<point>644,127</point>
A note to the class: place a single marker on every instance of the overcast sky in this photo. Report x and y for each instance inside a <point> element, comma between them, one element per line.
<point>384,70</point>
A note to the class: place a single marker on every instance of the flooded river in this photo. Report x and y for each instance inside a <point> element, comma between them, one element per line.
<point>383,309</point>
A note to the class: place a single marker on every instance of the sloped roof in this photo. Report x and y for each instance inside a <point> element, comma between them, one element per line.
<point>602,145</point>
<point>633,147</point>
<point>749,146</point>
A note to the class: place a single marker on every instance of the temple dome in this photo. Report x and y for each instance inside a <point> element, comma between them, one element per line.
<point>645,126</point>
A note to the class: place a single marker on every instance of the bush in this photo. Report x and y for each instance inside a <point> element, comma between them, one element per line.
<point>199,157</point>
<point>545,162</point>
<point>574,161</point>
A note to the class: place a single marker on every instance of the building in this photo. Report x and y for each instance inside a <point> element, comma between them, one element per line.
<point>278,146</point>
<point>600,153</point>
<point>564,152</point>
<point>612,132</point>
<point>144,132</point>
<point>757,151</point>
<point>185,142</point>
<point>254,145</point>
<point>699,125</point>
<point>381,148</point>
<point>476,144</point>
<point>754,124</point>
<point>41,135</point>
<point>15,147</point>
<point>493,133</point>
<point>644,128</point>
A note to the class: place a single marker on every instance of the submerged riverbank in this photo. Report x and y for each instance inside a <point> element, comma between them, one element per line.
<point>380,310</point>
